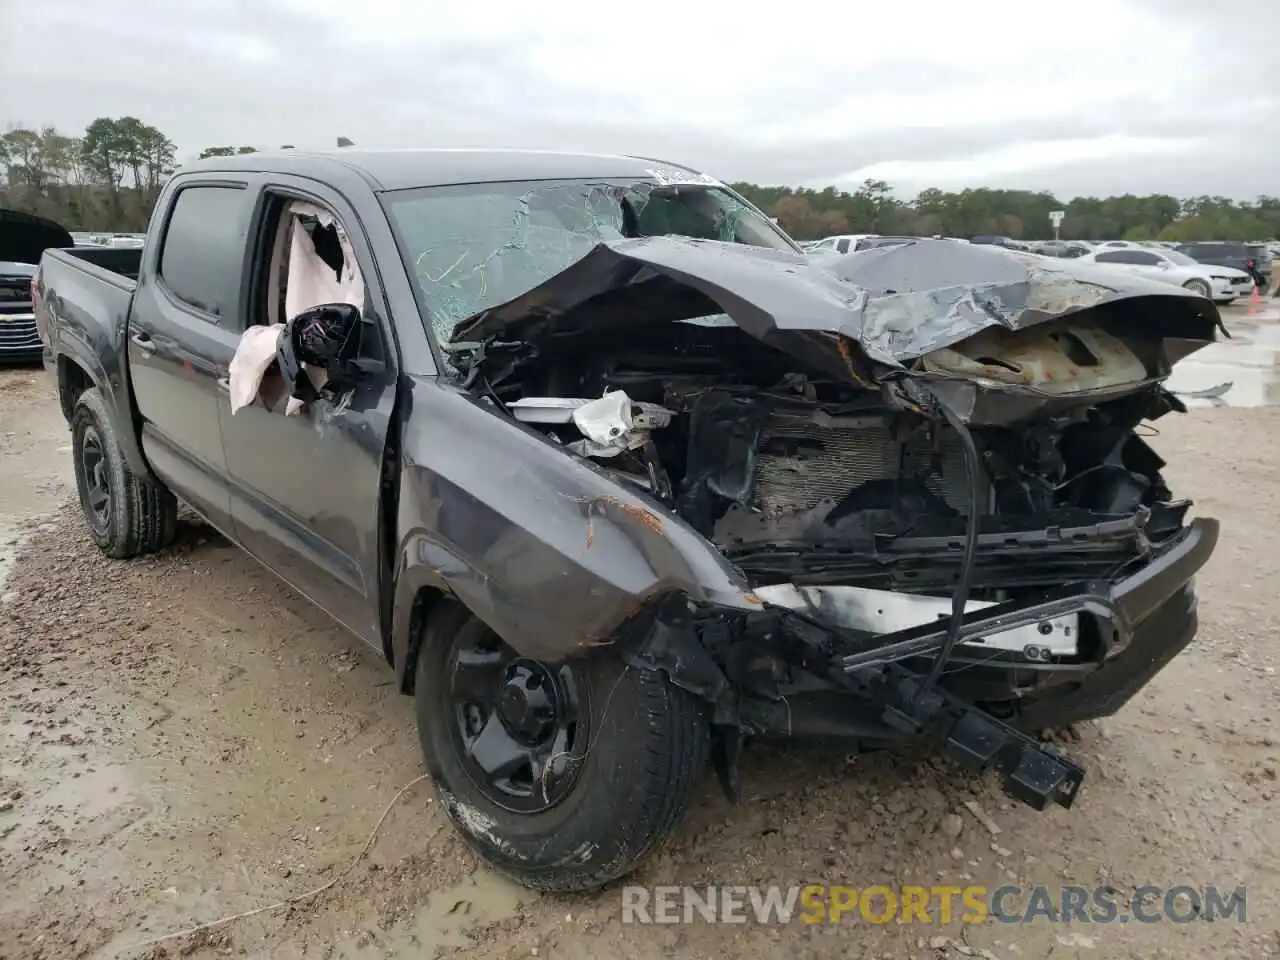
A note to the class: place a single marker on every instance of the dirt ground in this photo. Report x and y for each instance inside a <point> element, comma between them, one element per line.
<point>183,739</point>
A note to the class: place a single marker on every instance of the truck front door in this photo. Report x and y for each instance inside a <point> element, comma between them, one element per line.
<point>306,488</point>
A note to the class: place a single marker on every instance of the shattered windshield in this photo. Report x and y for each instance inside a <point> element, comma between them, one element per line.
<point>475,246</point>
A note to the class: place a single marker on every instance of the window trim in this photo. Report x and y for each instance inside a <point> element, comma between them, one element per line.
<point>176,299</point>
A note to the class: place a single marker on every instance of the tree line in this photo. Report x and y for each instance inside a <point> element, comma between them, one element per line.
<point>107,179</point>
<point>1020,214</point>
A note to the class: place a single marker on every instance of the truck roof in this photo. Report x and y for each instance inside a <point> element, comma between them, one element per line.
<point>403,169</point>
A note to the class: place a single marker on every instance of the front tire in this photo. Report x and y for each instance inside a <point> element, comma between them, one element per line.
<point>563,776</point>
<point>127,515</point>
<point>1199,288</point>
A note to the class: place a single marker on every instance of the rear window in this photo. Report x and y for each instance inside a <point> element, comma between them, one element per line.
<point>204,247</point>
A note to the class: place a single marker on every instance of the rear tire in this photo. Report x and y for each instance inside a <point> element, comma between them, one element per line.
<point>1199,288</point>
<point>615,795</point>
<point>127,515</point>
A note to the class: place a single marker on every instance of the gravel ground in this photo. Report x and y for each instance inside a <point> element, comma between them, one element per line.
<point>184,739</point>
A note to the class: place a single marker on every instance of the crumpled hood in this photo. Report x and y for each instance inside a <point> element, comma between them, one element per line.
<point>864,317</point>
<point>894,304</point>
<point>24,237</point>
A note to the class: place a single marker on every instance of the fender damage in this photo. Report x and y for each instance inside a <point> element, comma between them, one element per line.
<point>837,498</point>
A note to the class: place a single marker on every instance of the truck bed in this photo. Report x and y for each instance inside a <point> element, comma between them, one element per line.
<point>113,264</point>
<point>86,294</point>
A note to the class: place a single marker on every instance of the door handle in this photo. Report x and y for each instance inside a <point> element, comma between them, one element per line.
<point>144,342</point>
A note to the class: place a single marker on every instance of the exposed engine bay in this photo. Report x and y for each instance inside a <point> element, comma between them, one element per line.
<point>804,483</point>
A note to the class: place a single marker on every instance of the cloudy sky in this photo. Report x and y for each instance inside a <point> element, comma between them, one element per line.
<point>1079,97</point>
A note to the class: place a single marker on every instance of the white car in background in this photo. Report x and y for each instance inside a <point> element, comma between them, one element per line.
<point>840,243</point>
<point>1219,284</point>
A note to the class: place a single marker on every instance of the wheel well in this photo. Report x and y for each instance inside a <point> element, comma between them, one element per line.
<point>73,380</point>
<point>425,601</point>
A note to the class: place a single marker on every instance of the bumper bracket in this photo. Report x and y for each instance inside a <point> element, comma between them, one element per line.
<point>1034,773</point>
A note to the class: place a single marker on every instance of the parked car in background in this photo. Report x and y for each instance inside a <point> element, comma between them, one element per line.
<point>1064,249</point>
<point>1007,242</point>
<point>23,238</point>
<point>868,243</point>
<point>853,242</point>
<point>1219,284</point>
<point>1253,258</point>
<point>840,243</point>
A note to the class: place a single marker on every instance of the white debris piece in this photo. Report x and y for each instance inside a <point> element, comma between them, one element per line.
<point>545,409</point>
<point>981,816</point>
<point>610,425</point>
<point>254,355</point>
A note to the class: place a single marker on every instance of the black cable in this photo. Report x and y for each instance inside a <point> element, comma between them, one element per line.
<point>960,596</point>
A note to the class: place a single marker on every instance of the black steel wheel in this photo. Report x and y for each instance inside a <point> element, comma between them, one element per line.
<point>521,726</point>
<point>97,485</point>
<point>565,776</point>
<point>127,514</point>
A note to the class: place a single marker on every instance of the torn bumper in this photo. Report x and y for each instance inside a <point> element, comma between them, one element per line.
<point>1140,622</point>
<point>1120,607</point>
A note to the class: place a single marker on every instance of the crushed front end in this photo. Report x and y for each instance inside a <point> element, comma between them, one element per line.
<point>887,617</point>
<point>946,513</point>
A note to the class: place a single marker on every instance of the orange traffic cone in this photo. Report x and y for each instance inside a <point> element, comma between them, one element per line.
<point>1254,300</point>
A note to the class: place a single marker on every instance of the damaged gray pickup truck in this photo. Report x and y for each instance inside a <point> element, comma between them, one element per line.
<point>616,478</point>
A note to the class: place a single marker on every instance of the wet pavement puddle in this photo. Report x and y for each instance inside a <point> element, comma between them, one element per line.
<point>1241,372</point>
<point>445,920</point>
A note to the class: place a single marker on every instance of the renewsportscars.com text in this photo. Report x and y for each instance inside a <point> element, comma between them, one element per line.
<point>931,905</point>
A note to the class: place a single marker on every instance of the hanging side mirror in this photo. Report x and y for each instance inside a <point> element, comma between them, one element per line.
<point>326,337</point>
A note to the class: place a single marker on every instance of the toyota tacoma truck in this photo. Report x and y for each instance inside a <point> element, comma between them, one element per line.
<point>617,480</point>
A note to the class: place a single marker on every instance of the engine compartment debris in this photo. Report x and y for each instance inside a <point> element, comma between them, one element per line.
<point>610,425</point>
